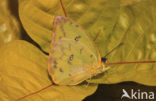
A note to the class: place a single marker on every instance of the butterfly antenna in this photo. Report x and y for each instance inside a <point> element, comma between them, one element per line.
<point>64,11</point>
<point>30,94</point>
<point>113,49</point>
<point>129,62</point>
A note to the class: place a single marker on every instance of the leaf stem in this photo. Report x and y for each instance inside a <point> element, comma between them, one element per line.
<point>35,92</point>
<point>63,8</point>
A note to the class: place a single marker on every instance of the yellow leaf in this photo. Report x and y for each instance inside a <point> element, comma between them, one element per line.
<point>132,24</point>
<point>135,28</point>
<point>23,70</point>
<point>9,26</point>
<point>37,17</point>
<point>129,2</point>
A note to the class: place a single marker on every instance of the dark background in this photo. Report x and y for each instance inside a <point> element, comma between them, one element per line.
<point>113,92</point>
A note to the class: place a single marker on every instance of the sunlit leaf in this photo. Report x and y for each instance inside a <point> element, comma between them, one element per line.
<point>23,70</point>
<point>37,18</point>
<point>136,27</point>
<point>131,24</point>
<point>9,27</point>
<point>129,2</point>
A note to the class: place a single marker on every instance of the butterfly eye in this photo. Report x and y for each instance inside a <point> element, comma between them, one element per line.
<point>77,38</point>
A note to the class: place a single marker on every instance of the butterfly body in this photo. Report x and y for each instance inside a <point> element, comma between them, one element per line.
<point>73,57</point>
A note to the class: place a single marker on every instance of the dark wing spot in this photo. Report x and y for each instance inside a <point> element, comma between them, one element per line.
<point>61,70</point>
<point>69,74</point>
<point>91,56</point>
<point>71,57</point>
<point>54,66</point>
<point>77,38</point>
<point>69,62</point>
<point>55,62</point>
<point>77,25</point>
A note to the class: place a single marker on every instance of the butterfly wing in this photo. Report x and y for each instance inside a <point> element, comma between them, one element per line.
<point>73,57</point>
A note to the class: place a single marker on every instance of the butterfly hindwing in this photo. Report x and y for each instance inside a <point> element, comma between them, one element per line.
<point>73,57</point>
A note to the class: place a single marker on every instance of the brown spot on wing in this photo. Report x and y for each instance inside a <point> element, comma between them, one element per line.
<point>54,66</point>
<point>60,70</point>
<point>69,74</point>
<point>55,62</point>
<point>71,57</point>
<point>77,38</point>
<point>77,25</point>
<point>69,62</point>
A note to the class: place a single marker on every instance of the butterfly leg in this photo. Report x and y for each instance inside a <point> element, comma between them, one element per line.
<point>119,45</point>
<point>88,82</point>
<point>104,59</point>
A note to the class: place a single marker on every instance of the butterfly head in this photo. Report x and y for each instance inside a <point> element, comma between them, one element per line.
<point>103,59</point>
<point>103,67</point>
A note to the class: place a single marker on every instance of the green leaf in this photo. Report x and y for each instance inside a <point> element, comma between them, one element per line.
<point>23,70</point>
<point>135,28</point>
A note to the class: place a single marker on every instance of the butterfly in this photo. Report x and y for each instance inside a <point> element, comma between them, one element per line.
<point>73,56</point>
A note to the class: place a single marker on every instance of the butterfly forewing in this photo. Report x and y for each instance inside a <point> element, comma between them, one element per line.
<point>73,57</point>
